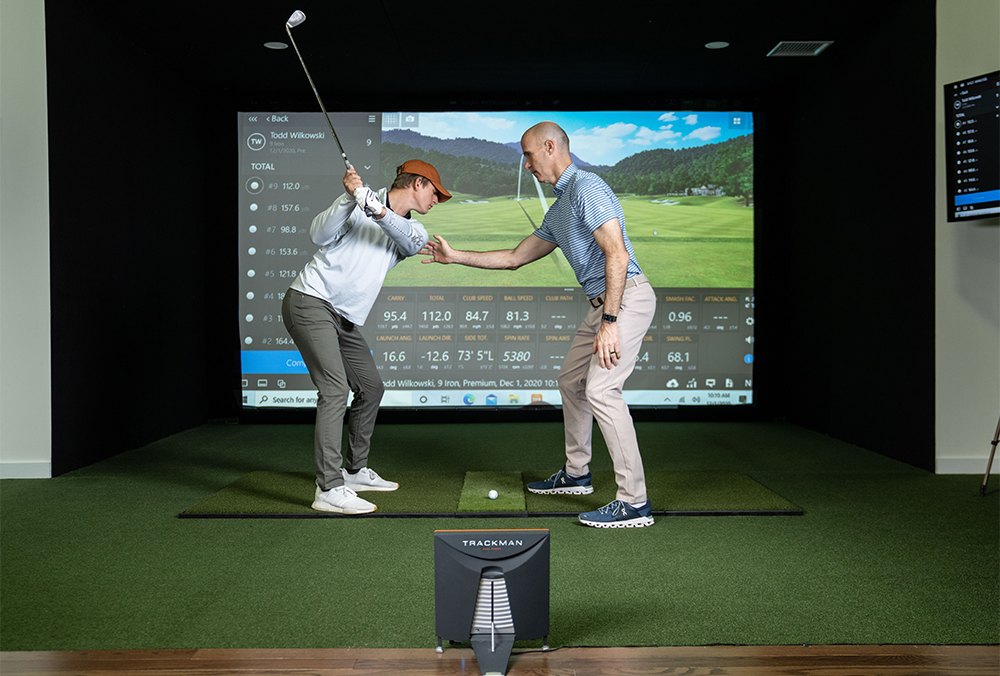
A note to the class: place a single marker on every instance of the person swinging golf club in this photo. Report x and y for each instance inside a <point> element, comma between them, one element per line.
<point>588,224</point>
<point>361,236</point>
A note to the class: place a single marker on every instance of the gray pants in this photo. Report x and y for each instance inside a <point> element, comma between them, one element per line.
<point>339,362</point>
<point>589,391</point>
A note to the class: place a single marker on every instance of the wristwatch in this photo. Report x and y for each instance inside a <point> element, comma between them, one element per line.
<point>609,318</point>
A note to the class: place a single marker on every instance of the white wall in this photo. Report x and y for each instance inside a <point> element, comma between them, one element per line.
<point>25,373</point>
<point>967,306</point>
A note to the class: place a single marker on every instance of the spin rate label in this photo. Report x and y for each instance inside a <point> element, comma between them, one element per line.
<point>517,352</point>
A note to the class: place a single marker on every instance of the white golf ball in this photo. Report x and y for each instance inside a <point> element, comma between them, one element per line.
<point>493,495</point>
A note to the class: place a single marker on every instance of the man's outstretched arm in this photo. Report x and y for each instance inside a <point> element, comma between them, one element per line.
<point>530,249</point>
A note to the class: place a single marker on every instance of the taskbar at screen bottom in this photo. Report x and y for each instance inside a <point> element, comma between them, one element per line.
<point>434,398</point>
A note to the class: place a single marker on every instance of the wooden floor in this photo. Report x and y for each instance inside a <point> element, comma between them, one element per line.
<point>693,661</point>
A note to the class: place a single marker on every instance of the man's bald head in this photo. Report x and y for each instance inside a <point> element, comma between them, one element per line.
<point>546,151</point>
<point>548,131</point>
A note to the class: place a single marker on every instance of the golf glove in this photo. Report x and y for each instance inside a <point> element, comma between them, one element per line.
<point>368,201</point>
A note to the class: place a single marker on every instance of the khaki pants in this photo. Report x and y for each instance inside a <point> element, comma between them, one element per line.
<point>339,362</point>
<point>590,392</point>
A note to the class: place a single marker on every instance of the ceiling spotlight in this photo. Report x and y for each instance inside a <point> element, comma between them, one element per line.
<point>717,45</point>
<point>276,45</point>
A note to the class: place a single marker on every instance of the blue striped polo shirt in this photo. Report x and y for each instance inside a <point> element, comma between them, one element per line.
<point>584,202</point>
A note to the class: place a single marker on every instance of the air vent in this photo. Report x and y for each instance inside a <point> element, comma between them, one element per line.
<point>784,48</point>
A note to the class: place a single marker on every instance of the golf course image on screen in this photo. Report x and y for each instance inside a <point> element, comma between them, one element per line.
<point>685,182</point>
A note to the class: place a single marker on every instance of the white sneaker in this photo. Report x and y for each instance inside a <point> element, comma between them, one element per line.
<point>341,500</point>
<point>367,480</point>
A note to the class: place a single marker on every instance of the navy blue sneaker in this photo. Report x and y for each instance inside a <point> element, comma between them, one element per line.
<point>560,482</point>
<point>618,514</point>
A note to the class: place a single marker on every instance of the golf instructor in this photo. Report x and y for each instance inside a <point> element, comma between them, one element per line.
<point>360,238</point>
<point>587,223</point>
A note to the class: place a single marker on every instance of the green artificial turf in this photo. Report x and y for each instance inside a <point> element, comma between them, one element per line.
<point>445,493</point>
<point>475,492</point>
<point>884,553</point>
<point>688,492</point>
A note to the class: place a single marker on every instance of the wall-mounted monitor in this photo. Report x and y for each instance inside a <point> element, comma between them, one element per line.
<point>454,337</point>
<point>972,147</point>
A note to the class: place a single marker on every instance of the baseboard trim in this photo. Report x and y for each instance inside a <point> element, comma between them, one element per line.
<point>966,465</point>
<point>25,470</point>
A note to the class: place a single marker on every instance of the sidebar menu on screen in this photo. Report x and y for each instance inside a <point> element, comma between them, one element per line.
<point>291,169</point>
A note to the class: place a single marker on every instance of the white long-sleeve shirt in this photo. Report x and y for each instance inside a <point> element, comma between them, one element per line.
<point>356,252</point>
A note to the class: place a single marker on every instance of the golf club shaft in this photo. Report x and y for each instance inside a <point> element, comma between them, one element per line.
<point>347,162</point>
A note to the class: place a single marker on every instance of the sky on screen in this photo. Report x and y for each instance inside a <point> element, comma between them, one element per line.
<point>596,137</point>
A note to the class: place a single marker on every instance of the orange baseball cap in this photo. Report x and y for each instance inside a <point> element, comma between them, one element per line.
<point>421,168</point>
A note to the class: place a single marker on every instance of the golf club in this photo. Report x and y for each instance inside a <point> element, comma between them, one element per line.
<point>297,17</point>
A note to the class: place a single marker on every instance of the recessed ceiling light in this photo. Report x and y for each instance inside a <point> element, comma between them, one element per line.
<point>717,45</point>
<point>276,45</point>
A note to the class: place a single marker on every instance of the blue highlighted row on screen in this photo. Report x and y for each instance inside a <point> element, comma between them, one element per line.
<point>273,361</point>
<point>290,361</point>
<point>977,197</point>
